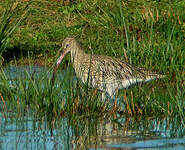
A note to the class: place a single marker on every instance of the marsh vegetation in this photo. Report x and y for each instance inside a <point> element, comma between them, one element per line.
<point>146,34</point>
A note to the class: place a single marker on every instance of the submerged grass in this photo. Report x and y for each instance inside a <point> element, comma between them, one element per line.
<point>69,97</point>
<point>146,34</point>
<point>30,90</point>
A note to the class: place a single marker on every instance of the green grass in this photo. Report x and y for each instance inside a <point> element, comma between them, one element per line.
<point>12,16</point>
<point>146,34</point>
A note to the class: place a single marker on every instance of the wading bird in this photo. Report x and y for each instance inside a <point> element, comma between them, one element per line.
<point>103,72</point>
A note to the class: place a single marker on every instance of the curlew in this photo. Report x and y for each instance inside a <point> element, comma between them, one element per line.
<point>103,72</point>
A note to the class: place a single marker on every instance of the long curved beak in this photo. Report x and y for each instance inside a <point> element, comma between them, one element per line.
<point>59,60</point>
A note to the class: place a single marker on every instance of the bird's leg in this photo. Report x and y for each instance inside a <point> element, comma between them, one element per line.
<point>114,97</point>
<point>103,98</point>
<point>115,104</point>
<point>114,108</point>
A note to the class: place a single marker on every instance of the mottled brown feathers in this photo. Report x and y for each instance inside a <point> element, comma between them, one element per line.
<point>103,72</point>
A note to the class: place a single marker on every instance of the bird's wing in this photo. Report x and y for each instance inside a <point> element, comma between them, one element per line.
<point>109,67</point>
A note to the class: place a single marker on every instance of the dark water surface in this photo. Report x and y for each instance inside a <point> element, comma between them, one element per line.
<point>31,132</point>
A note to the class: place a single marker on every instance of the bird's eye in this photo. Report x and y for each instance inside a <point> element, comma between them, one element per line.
<point>67,45</point>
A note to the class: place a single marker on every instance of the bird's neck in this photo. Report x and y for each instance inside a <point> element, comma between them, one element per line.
<point>77,54</point>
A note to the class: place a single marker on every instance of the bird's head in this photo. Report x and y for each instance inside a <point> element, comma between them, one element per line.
<point>68,45</point>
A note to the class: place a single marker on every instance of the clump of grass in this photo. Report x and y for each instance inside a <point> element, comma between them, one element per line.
<point>29,91</point>
<point>10,19</point>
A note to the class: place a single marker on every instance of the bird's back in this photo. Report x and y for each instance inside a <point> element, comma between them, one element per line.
<point>103,71</point>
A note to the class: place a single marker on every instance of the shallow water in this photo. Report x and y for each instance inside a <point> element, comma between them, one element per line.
<point>31,133</point>
<point>19,130</point>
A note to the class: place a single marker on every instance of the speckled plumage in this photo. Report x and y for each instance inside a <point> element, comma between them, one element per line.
<point>103,72</point>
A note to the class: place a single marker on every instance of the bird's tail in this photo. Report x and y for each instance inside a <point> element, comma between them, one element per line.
<point>153,76</point>
<point>149,75</point>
